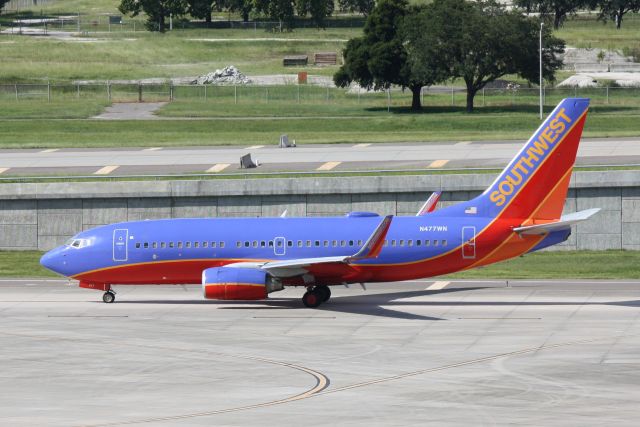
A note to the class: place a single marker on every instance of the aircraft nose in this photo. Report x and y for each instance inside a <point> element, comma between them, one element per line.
<point>52,260</point>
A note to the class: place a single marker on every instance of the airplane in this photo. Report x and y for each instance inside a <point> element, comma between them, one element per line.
<point>249,258</point>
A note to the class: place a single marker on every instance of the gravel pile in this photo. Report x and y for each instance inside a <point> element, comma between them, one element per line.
<point>228,75</point>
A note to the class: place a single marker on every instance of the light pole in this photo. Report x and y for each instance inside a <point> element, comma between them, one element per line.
<point>541,25</point>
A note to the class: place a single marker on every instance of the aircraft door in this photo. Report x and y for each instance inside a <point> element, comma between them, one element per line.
<point>279,245</point>
<point>468,242</point>
<point>120,238</point>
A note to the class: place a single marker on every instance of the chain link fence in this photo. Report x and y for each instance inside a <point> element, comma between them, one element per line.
<point>309,94</point>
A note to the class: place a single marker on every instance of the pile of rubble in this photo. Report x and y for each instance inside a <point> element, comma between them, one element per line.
<point>228,75</point>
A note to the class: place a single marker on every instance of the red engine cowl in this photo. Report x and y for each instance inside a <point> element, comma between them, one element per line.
<point>227,283</point>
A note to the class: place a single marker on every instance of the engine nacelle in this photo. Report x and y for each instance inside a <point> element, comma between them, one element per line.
<point>228,283</point>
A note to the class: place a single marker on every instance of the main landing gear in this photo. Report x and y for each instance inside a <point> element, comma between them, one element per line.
<point>316,296</point>
<point>109,297</point>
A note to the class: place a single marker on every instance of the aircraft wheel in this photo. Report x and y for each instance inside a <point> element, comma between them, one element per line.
<point>312,299</point>
<point>108,297</point>
<point>324,291</point>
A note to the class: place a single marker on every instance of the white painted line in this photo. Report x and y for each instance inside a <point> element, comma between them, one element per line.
<point>361,145</point>
<point>3,170</point>
<point>106,170</point>
<point>328,166</point>
<point>254,147</point>
<point>436,286</point>
<point>438,163</point>
<point>50,150</point>
<point>219,167</point>
<point>463,143</point>
<point>153,149</point>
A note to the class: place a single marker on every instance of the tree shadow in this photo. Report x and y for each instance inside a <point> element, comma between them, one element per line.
<point>493,109</point>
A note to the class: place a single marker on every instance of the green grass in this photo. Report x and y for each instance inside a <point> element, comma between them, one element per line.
<point>544,265</point>
<point>562,265</point>
<point>585,31</point>
<point>37,109</point>
<point>400,127</point>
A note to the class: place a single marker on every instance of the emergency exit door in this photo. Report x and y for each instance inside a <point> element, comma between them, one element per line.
<point>120,238</point>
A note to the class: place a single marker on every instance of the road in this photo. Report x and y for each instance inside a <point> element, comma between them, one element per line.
<point>399,354</point>
<point>337,157</point>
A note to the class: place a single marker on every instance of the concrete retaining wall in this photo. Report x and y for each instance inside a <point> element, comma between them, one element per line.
<point>41,216</point>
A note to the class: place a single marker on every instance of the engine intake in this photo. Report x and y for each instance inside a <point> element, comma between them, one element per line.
<point>228,283</point>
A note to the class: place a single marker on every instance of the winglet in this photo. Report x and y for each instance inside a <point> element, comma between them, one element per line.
<point>430,204</point>
<point>375,242</point>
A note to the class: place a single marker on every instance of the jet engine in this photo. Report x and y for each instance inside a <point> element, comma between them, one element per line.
<point>228,283</point>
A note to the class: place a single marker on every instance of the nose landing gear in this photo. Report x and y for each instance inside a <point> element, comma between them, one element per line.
<point>316,296</point>
<point>109,297</point>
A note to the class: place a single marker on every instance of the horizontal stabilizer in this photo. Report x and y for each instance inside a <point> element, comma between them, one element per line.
<point>566,221</point>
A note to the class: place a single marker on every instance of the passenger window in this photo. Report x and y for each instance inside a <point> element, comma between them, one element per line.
<point>444,243</point>
<point>238,244</point>
<point>386,242</point>
<point>299,243</point>
<point>205,244</point>
<point>221,244</point>
<point>401,242</point>
<point>146,245</point>
<point>255,243</point>
<point>137,245</point>
<point>308,243</point>
<point>393,242</point>
<point>163,245</point>
<point>263,244</point>
<point>289,243</point>
<point>213,244</point>
<point>270,243</point>
<point>171,244</point>
<point>409,243</point>
<point>343,243</point>
<point>418,242</point>
<point>279,243</point>
<point>359,242</point>
<point>326,243</point>
<point>187,244</point>
<point>335,243</point>
<point>350,242</point>
<point>317,242</point>
<point>427,242</point>
<point>179,245</point>
<point>196,244</point>
<point>246,244</point>
<point>435,243</point>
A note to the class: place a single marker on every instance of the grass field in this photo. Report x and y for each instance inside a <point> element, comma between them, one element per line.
<point>400,127</point>
<point>557,265</point>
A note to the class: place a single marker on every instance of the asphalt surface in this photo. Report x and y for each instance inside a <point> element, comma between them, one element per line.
<point>336,157</point>
<point>399,354</point>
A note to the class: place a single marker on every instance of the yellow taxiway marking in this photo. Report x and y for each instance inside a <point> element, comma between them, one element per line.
<point>219,167</point>
<point>3,170</point>
<point>153,149</point>
<point>254,147</point>
<point>106,170</point>
<point>361,145</point>
<point>438,163</point>
<point>50,150</point>
<point>436,286</point>
<point>328,166</point>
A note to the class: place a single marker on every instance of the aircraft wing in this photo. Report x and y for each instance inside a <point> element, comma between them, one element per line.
<point>339,265</point>
<point>565,222</point>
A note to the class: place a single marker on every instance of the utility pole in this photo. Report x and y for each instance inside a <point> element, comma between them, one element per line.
<point>541,25</point>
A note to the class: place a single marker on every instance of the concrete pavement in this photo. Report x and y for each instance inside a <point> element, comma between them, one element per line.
<point>402,354</point>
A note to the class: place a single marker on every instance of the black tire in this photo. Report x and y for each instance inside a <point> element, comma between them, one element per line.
<point>108,297</point>
<point>324,291</point>
<point>312,299</point>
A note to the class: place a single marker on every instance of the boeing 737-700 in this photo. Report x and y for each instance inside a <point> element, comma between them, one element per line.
<point>249,258</point>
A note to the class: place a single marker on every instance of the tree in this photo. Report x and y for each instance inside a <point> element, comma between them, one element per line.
<point>379,58</point>
<point>157,11</point>
<point>282,10</point>
<point>361,6</point>
<point>200,9</point>
<point>318,9</point>
<point>559,9</point>
<point>616,9</point>
<point>481,42</point>
<point>2,3</point>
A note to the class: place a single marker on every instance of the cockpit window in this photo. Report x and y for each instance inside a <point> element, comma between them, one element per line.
<point>78,243</point>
